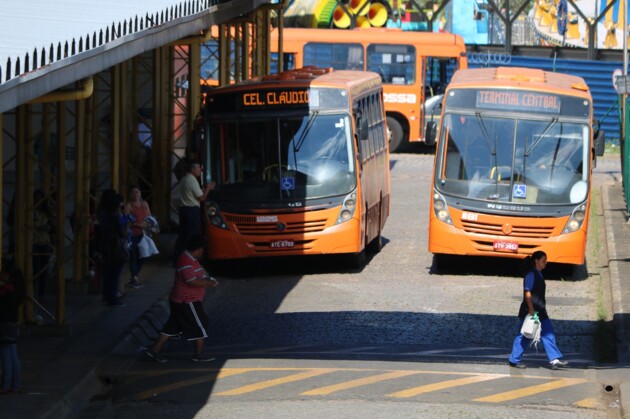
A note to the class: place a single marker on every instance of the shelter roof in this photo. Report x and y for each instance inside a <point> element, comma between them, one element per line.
<point>45,45</point>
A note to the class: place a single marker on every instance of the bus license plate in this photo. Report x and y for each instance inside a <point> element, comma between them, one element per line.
<point>281,244</point>
<point>503,246</point>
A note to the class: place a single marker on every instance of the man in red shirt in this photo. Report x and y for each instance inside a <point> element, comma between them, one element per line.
<point>186,303</point>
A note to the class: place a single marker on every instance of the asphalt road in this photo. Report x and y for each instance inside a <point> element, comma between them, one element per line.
<point>313,338</point>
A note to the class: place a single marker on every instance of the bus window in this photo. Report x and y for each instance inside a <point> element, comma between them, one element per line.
<point>396,64</point>
<point>337,56</point>
<point>288,60</point>
<point>439,72</point>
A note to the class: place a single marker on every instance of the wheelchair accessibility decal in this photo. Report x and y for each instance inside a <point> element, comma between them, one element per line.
<point>288,183</point>
<point>519,191</point>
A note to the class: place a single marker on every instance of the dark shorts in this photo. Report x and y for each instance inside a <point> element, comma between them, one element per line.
<point>188,319</point>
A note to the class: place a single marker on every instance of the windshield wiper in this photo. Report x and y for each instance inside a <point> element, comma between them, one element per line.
<point>541,136</point>
<point>309,125</point>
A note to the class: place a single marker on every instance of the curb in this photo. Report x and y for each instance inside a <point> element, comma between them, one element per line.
<point>140,334</point>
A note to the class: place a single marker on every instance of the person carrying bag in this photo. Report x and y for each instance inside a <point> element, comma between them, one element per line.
<point>534,320</point>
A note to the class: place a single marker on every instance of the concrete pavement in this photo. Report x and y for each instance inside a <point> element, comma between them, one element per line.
<point>61,374</point>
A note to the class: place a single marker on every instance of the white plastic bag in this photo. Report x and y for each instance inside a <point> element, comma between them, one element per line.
<point>147,247</point>
<point>531,328</point>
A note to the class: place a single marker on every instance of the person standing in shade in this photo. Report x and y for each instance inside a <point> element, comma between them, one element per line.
<point>138,209</point>
<point>12,293</point>
<point>534,288</point>
<point>113,232</point>
<point>186,303</point>
<point>190,210</point>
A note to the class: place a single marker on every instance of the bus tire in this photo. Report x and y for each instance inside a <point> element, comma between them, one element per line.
<point>577,272</point>
<point>440,263</point>
<point>396,134</point>
<point>376,245</point>
<point>357,260</point>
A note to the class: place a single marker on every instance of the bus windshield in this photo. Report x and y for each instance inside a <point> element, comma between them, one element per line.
<point>285,158</point>
<point>513,160</point>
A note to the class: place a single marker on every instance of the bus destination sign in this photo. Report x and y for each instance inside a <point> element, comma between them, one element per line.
<point>275,98</point>
<point>518,101</point>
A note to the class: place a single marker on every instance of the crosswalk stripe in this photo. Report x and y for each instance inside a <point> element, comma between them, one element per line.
<point>187,383</point>
<point>442,385</point>
<point>276,382</point>
<point>358,383</point>
<point>531,390</point>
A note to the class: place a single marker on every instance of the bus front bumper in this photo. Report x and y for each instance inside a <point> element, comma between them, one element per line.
<point>340,238</point>
<point>446,239</point>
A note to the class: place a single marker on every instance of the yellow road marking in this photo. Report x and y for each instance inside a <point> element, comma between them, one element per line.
<point>590,403</point>
<point>444,385</point>
<point>358,383</point>
<point>530,391</point>
<point>187,383</point>
<point>276,382</point>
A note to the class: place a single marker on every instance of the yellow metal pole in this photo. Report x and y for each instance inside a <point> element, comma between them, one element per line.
<point>80,209</point>
<point>61,212</point>
<point>116,107</point>
<point>23,206</point>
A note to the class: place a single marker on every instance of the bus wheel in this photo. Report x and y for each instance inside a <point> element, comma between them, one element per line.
<point>440,263</point>
<point>577,272</point>
<point>357,260</point>
<point>396,134</point>
<point>376,245</point>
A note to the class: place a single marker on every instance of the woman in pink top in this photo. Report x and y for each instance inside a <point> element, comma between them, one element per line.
<point>138,208</point>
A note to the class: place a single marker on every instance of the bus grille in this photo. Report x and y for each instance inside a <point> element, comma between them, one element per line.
<point>531,232</point>
<point>247,225</point>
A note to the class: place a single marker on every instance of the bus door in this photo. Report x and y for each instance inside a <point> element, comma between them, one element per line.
<point>438,72</point>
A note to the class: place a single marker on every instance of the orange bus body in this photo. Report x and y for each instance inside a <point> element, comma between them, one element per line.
<point>407,58</point>
<point>294,174</point>
<point>513,166</point>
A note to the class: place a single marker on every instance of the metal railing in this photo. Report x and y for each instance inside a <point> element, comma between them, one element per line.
<point>47,55</point>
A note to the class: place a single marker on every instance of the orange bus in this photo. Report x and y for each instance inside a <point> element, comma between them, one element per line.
<point>513,165</point>
<point>301,164</point>
<point>415,67</point>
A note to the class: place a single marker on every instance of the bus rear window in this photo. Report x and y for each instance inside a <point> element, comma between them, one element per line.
<point>337,56</point>
<point>396,64</point>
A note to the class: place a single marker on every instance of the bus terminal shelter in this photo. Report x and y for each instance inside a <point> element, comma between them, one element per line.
<point>109,107</point>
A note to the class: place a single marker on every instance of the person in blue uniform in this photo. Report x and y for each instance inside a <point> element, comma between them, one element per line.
<point>534,301</point>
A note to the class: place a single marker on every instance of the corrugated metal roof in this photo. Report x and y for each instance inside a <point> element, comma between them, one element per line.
<point>89,36</point>
<point>35,24</point>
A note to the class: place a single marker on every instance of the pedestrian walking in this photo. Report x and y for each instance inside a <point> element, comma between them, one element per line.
<point>187,316</point>
<point>534,288</point>
<point>191,196</point>
<point>139,210</point>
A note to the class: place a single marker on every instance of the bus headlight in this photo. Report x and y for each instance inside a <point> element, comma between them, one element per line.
<point>214,215</point>
<point>441,209</point>
<point>575,220</point>
<point>347,208</point>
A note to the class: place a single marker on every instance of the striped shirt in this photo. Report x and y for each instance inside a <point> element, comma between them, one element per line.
<point>188,269</point>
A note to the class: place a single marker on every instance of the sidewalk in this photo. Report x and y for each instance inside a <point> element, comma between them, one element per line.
<point>60,374</point>
<point>617,227</point>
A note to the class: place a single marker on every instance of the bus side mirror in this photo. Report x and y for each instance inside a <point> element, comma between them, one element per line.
<point>430,133</point>
<point>599,143</point>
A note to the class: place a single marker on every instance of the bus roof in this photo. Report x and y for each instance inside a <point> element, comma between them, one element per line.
<point>519,77</point>
<point>371,35</point>
<point>354,81</point>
